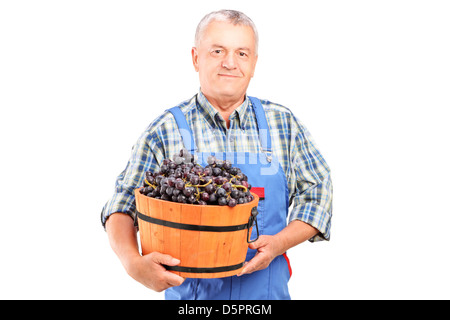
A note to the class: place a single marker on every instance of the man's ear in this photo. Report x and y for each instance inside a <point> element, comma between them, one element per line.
<point>195,58</point>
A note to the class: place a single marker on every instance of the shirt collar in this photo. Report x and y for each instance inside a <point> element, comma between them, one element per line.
<point>240,114</point>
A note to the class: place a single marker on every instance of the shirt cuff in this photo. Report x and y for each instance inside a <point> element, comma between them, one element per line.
<point>121,206</point>
<point>314,215</point>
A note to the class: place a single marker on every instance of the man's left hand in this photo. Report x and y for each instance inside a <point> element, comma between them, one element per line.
<point>268,247</point>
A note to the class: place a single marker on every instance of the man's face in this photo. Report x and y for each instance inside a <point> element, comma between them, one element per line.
<point>225,59</point>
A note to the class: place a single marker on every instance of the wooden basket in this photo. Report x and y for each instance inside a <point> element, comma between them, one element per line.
<point>210,241</point>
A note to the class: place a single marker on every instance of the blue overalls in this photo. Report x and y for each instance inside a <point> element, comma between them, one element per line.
<point>264,173</point>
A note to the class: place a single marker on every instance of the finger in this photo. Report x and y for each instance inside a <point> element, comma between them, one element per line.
<point>255,245</point>
<point>165,259</point>
<point>260,242</point>
<point>173,279</point>
<point>252,265</point>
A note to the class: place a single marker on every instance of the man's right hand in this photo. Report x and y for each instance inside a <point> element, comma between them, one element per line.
<point>146,269</point>
<point>149,271</point>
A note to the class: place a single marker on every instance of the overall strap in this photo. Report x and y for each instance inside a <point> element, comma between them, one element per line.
<point>185,130</point>
<point>263,126</point>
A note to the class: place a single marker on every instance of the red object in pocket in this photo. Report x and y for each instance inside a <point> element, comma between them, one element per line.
<point>258,191</point>
<point>288,263</point>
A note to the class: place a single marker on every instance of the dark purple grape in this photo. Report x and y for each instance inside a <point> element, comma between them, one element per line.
<point>219,163</point>
<point>149,176</point>
<point>188,191</point>
<point>222,201</point>
<point>195,179</point>
<point>221,192</point>
<point>164,168</point>
<point>166,197</point>
<point>227,186</point>
<point>239,176</point>
<point>216,171</point>
<point>198,170</point>
<point>202,203</point>
<point>205,180</point>
<point>171,181</point>
<point>189,165</point>
<point>212,198</point>
<point>158,179</point>
<point>179,185</point>
<point>234,194</point>
<point>205,196</point>
<point>226,165</point>
<point>210,188</point>
<point>192,199</point>
<point>232,202</point>
<point>146,190</point>
<point>169,191</point>
<point>181,198</point>
<point>178,173</point>
<point>218,180</point>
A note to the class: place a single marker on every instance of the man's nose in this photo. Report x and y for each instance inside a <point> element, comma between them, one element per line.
<point>229,61</point>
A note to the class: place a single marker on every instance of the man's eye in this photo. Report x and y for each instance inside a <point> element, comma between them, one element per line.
<point>217,51</point>
<point>242,54</point>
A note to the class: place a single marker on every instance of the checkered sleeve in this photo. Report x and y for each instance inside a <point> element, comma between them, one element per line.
<point>312,186</point>
<point>144,157</point>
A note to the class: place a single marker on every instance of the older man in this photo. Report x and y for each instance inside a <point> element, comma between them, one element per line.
<point>222,119</point>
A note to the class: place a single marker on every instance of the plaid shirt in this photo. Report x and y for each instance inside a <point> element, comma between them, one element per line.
<point>307,173</point>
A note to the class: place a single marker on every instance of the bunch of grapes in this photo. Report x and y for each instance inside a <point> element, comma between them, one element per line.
<point>183,180</point>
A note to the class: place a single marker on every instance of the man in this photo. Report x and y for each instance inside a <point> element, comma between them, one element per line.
<point>221,118</point>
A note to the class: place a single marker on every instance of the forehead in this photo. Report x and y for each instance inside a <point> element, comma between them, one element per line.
<point>228,35</point>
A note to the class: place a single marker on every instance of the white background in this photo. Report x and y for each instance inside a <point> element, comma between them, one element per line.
<point>80,80</point>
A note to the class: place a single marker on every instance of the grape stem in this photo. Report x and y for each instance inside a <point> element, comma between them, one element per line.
<point>209,182</point>
<point>148,183</point>
<point>239,186</point>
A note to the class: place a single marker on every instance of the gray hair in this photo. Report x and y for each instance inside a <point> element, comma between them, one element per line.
<point>232,16</point>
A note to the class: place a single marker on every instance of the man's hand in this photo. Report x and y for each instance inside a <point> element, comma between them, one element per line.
<point>268,249</point>
<point>149,271</point>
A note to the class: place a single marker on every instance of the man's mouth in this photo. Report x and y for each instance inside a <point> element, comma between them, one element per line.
<point>228,75</point>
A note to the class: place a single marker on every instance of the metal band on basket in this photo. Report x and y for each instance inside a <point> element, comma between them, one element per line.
<point>204,270</point>
<point>193,227</point>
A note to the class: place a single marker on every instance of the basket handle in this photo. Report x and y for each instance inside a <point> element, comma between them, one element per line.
<point>252,219</point>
